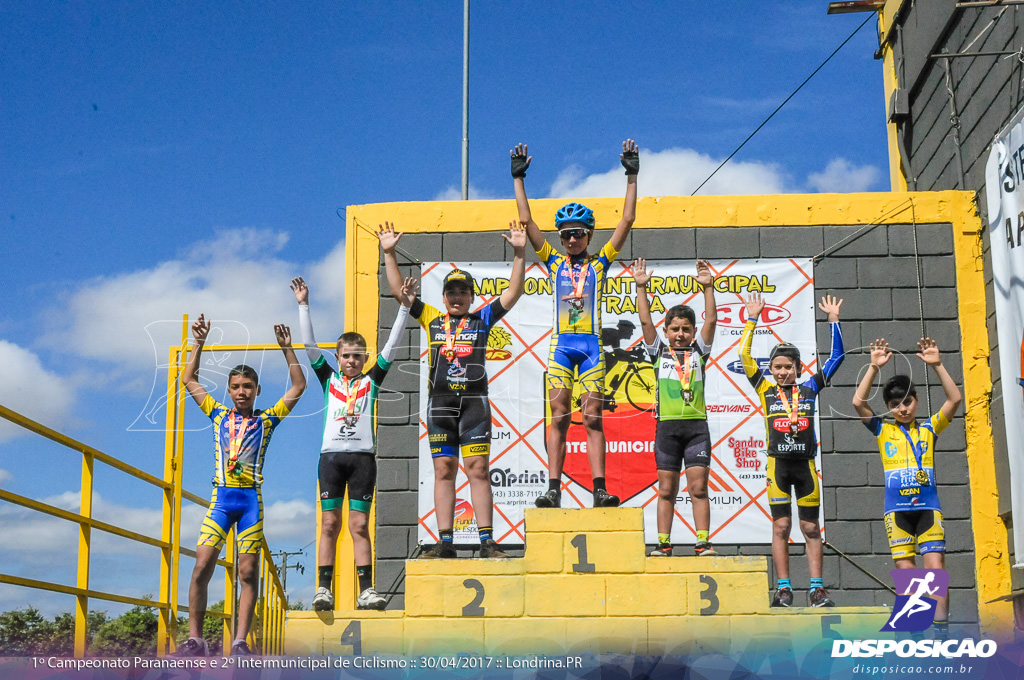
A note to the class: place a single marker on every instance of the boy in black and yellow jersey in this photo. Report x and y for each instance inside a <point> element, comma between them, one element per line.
<point>458,412</point>
<point>788,409</point>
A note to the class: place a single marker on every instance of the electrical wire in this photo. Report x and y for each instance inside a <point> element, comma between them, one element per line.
<point>784,102</point>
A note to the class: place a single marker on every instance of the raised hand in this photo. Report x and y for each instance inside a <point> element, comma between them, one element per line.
<point>640,274</point>
<point>283,334</point>
<point>516,235</point>
<point>830,305</point>
<point>705,277</point>
<point>880,352</point>
<point>201,330</point>
<point>520,161</point>
<point>409,287</point>
<point>929,353</point>
<point>298,287</point>
<point>388,237</point>
<point>630,157</point>
<point>754,304</point>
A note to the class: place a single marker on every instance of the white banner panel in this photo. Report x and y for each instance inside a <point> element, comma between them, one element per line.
<point>517,358</point>
<point>1004,174</point>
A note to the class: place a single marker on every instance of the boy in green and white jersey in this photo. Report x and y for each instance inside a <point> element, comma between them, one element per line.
<point>347,454</point>
<point>682,437</point>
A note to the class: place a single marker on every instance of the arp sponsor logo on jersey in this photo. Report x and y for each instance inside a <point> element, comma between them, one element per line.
<point>762,365</point>
<point>734,315</point>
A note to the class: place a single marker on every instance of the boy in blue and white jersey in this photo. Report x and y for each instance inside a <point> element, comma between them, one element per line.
<point>347,454</point>
<point>241,436</point>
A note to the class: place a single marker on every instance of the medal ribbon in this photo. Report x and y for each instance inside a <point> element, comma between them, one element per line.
<point>917,448</point>
<point>235,443</point>
<point>350,394</point>
<point>794,412</point>
<point>684,376</point>
<point>449,337</point>
<point>579,280</point>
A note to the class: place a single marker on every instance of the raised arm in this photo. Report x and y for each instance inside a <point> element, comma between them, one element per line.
<point>706,278</point>
<point>880,356</point>
<point>298,287</point>
<point>641,277</point>
<point>754,305</point>
<point>520,162</point>
<point>929,354</point>
<point>630,159</point>
<point>830,305</point>
<point>298,378</point>
<point>516,283</point>
<point>388,241</point>
<point>200,331</point>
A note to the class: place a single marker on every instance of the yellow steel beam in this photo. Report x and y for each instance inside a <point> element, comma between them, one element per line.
<point>74,444</point>
<point>84,544</point>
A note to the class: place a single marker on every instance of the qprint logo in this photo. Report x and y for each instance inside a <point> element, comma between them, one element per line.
<point>914,611</point>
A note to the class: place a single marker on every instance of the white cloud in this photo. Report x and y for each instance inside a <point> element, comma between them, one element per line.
<point>33,391</point>
<point>842,176</point>
<point>289,523</point>
<point>454,193</point>
<point>5,476</point>
<point>675,172</point>
<point>236,280</point>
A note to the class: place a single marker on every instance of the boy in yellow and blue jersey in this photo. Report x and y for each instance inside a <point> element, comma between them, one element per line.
<point>575,353</point>
<point>788,408</point>
<point>913,516</point>
<point>241,436</point>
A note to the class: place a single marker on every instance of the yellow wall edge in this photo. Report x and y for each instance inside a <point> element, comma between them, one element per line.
<point>955,207</point>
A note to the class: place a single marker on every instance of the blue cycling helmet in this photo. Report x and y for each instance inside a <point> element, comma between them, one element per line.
<point>574,212</point>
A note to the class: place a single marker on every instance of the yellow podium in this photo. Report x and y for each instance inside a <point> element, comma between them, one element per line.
<point>584,586</point>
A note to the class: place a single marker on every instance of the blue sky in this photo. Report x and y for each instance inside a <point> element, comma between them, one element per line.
<point>166,158</point>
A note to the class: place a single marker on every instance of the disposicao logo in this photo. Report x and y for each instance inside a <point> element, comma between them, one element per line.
<point>913,612</point>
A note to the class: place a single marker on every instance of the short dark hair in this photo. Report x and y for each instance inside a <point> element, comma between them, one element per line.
<point>681,312</point>
<point>897,389</point>
<point>351,338</point>
<point>245,372</point>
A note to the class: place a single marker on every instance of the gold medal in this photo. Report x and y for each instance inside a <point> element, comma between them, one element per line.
<point>922,478</point>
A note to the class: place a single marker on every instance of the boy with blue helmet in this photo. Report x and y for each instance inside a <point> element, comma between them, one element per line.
<point>575,353</point>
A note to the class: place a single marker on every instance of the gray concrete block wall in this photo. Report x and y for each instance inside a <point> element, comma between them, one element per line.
<point>875,270</point>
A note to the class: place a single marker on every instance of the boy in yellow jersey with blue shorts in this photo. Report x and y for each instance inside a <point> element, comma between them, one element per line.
<point>913,516</point>
<point>241,436</point>
<point>575,353</point>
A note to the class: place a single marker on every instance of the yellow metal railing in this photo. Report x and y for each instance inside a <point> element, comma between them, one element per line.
<point>267,635</point>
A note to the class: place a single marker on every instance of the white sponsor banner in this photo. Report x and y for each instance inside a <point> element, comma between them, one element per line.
<point>517,360</point>
<point>1004,174</point>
